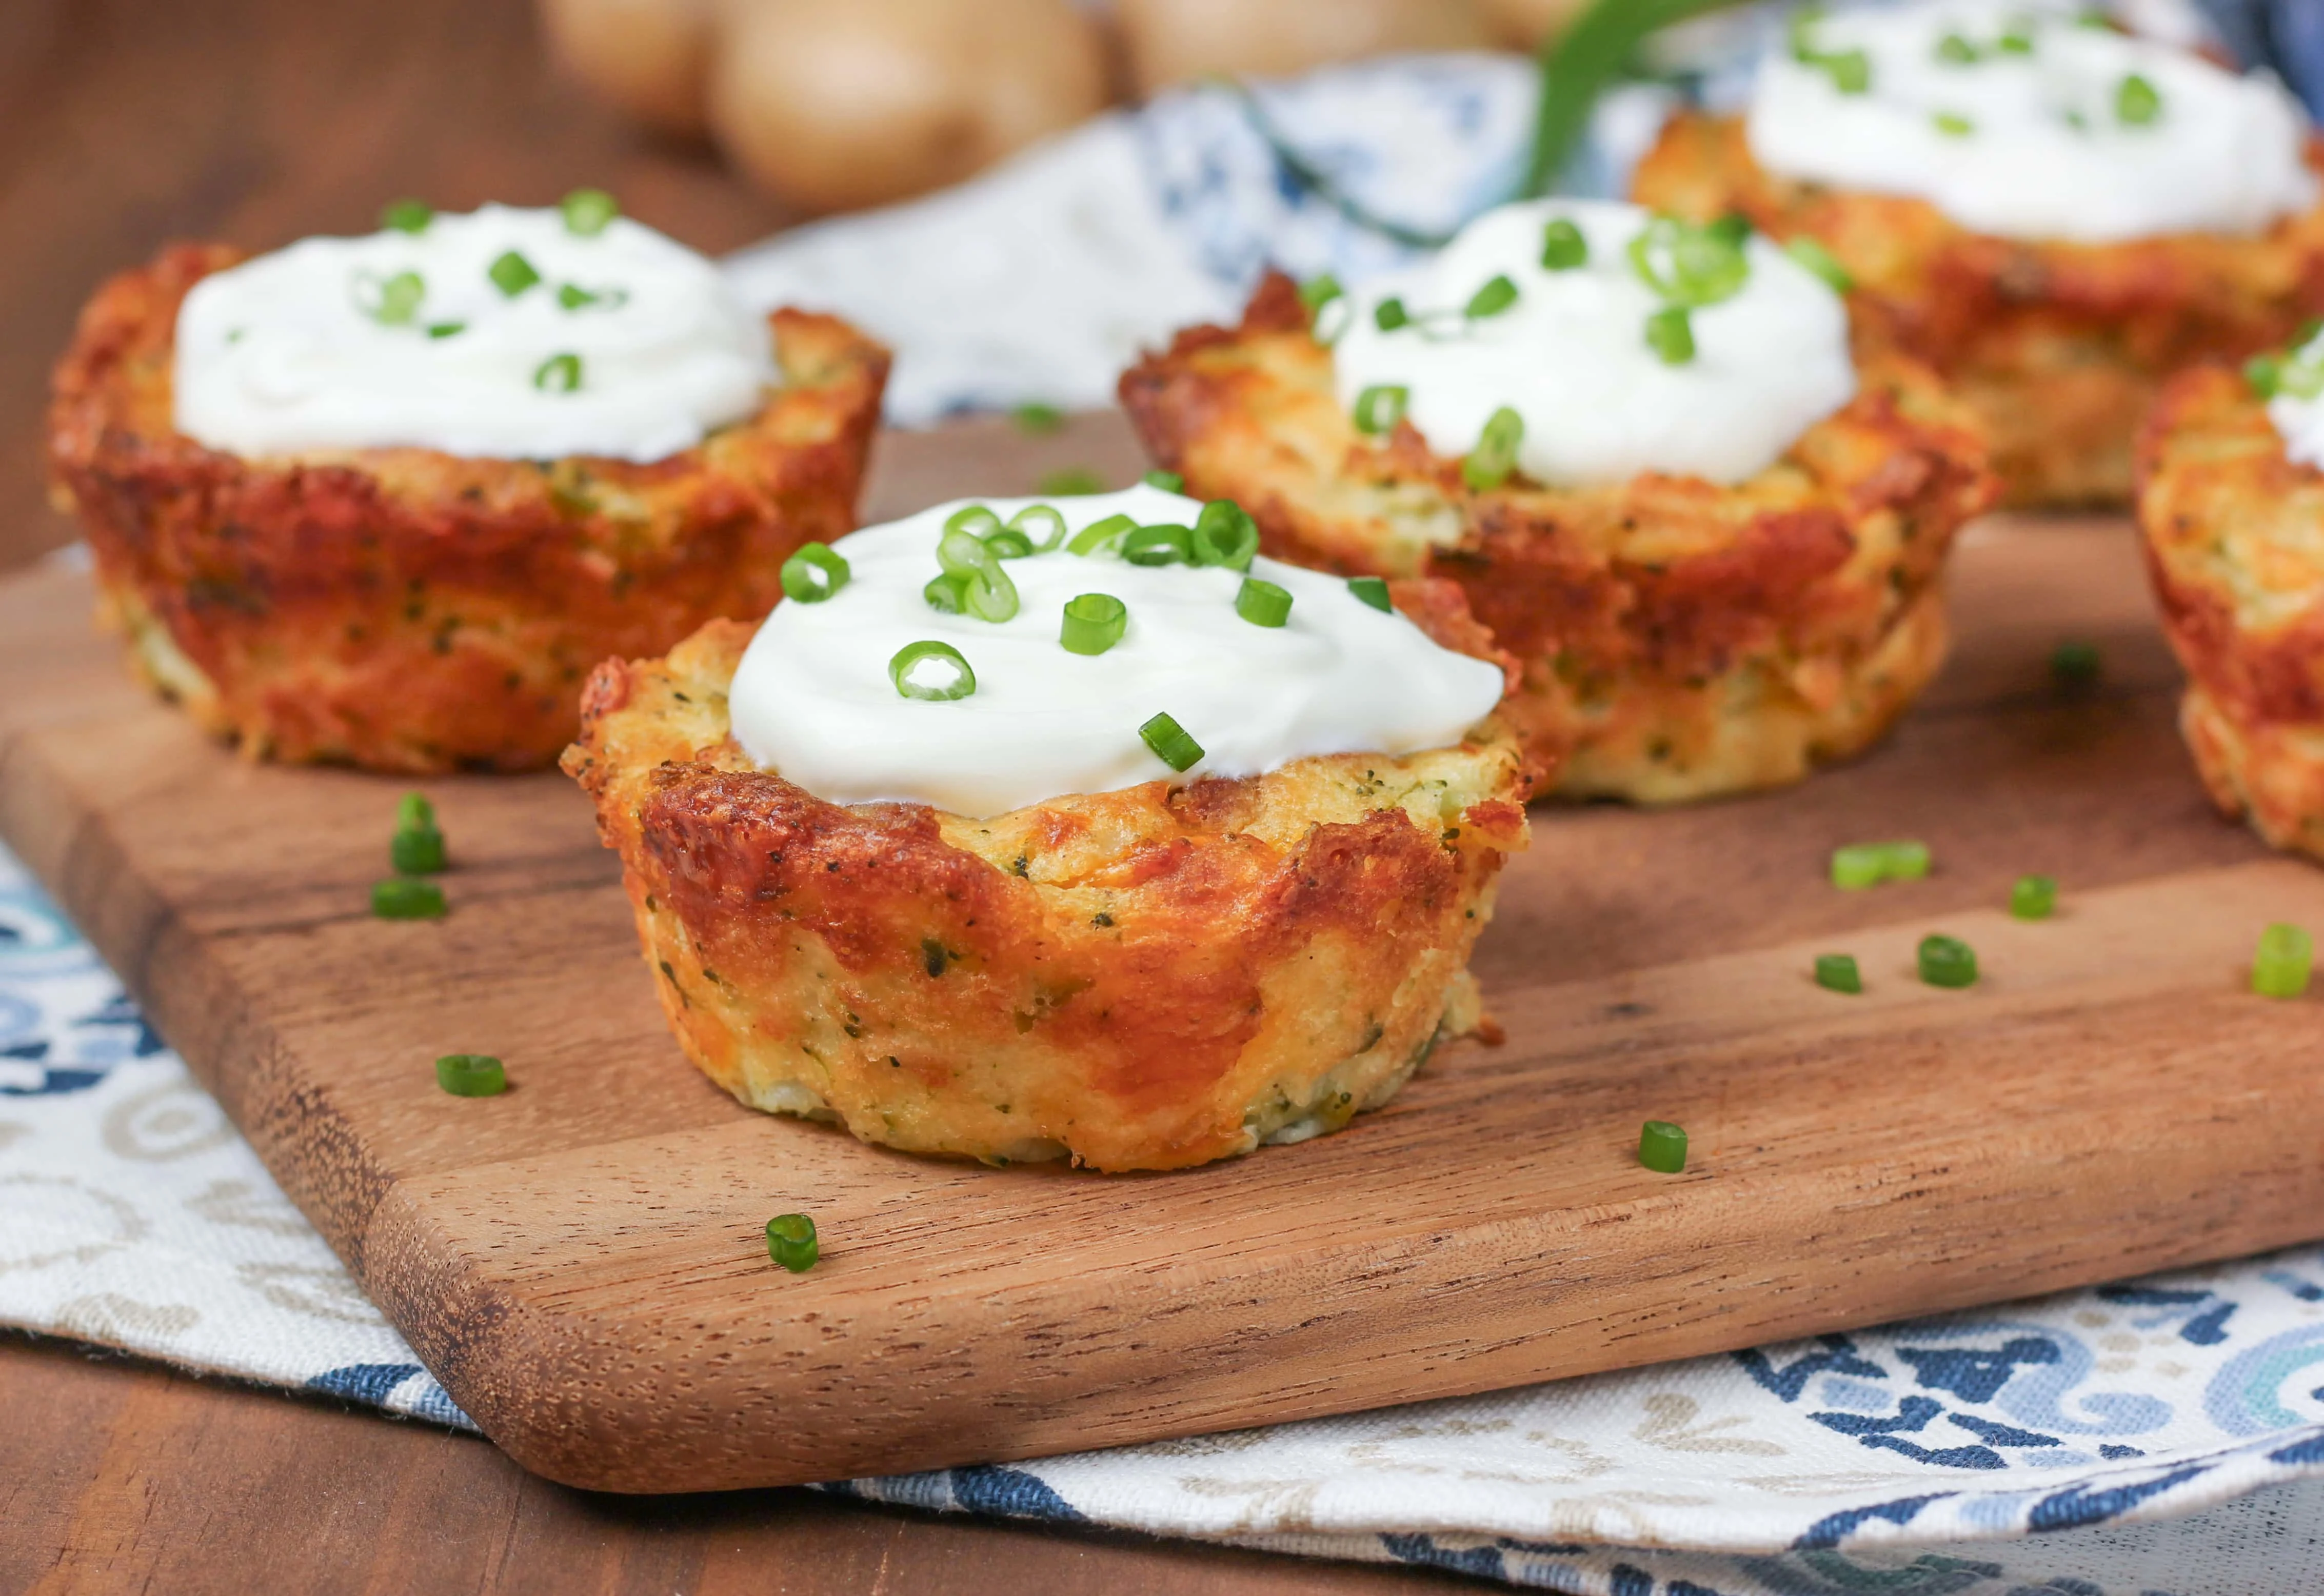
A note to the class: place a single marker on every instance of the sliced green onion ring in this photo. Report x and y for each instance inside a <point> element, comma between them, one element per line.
<point>814,573</point>
<point>1691,265</point>
<point>1225,535</point>
<point>1810,252</point>
<point>1263,603</point>
<point>2033,898</point>
<point>1373,591</point>
<point>559,374</point>
<point>1008,543</point>
<point>991,594</point>
<point>1662,1147</point>
<point>2137,103</point>
<point>1094,622</point>
<point>1100,534</point>
<point>511,273</point>
<point>1380,407</point>
<point>588,211</point>
<point>791,1242</point>
<point>1169,482</point>
<point>406,215</point>
<point>2285,961</point>
<point>1389,314</point>
<point>1319,291</point>
<point>1562,246</point>
<point>1670,334</point>
<point>1159,546</point>
<point>471,1074</point>
<point>1947,962</point>
<point>975,518</point>
<point>1171,742</point>
<point>1837,972</point>
<point>1045,522</point>
<point>962,553</point>
<point>1496,296</point>
<point>962,680</point>
<point>946,595</point>
<point>1488,464</point>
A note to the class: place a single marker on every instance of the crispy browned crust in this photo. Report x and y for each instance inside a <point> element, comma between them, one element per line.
<point>2234,532</point>
<point>1146,979</point>
<point>2059,347</point>
<point>1675,639</point>
<point>406,610</point>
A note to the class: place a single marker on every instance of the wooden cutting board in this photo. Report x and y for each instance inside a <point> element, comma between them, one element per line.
<point>581,1260</point>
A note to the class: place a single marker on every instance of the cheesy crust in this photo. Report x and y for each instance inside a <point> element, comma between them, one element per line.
<point>408,610</point>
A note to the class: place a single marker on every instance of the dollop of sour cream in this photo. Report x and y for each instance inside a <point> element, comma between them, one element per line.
<point>2023,120</point>
<point>1571,354</point>
<point>813,700</point>
<point>618,343</point>
<point>2297,408</point>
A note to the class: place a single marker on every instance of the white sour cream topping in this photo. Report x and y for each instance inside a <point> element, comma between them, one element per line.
<point>2299,422</point>
<point>812,700</point>
<point>2038,146</point>
<point>290,351</point>
<point>1571,354</point>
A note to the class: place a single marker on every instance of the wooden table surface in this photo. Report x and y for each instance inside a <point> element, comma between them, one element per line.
<point>126,123</point>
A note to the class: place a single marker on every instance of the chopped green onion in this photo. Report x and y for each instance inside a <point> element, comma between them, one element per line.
<point>1800,32</point>
<point>1373,591</point>
<point>1955,50</point>
<point>471,1074</point>
<point>961,552</point>
<point>790,1242</point>
<point>814,573</point>
<point>1159,546</point>
<point>1041,520</point>
<point>1947,961</point>
<point>2094,16</point>
<point>397,898</point>
<point>407,216</point>
<point>2137,101</point>
<point>1562,246</point>
<point>975,519</point>
<point>397,302</point>
<point>572,296</point>
<point>2015,42</point>
<point>1811,254</point>
<point>413,812</point>
<point>1094,622</point>
<point>1100,534</point>
<point>1670,334</point>
<point>1954,125</point>
<point>1867,865</point>
<point>1495,297</point>
<point>946,595</point>
<point>416,850</point>
<point>511,273</point>
<point>1837,972</point>
<point>1037,420</point>
<point>446,329</point>
<point>1389,314</point>
<point>1662,1147</point>
<point>1170,742</point>
<point>1068,482</point>
<point>957,680</point>
<point>1691,265</point>
<point>1262,603</point>
<point>1488,464</point>
<point>1169,482</point>
<point>559,374</point>
<point>1380,407</point>
<point>2286,958</point>
<point>1008,543</point>
<point>1732,229</point>
<point>1225,535</point>
<point>991,594</point>
<point>1319,291</point>
<point>2033,897</point>
<point>1850,71</point>
<point>588,211</point>
<point>2075,663</point>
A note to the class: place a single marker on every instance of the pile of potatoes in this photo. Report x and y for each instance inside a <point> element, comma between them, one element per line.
<point>835,105</point>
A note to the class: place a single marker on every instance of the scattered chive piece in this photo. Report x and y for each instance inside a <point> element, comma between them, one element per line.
<point>511,273</point>
<point>962,680</point>
<point>1170,742</point>
<point>1389,314</point>
<point>446,329</point>
<point>417,849</point>
<point>1098,534</point>
<point>790,1242</point>
<point>1562,246</point>
<point>1491,300</point>
<point>1380,407</point>
<point>1670,334</point>
<point>471,1074</point>
<point>1169,482</point>
<point>407,216</point>
<point>2137,101</point>
<point>1662,1147</point>
<point>1956,50</point>
<point>1037,420</point>
<point>2075,662</point>
<point>1488,464</point>
<point>1947,961</point>
<point>1954,125</point>
<point>588,211</point>
<point>2033,897</point>
<point>814,573</point>
<point>1811,254</point>
<point>2287,957</point>
<point>1071,482</point>
<point>1225,535</point>
<point>559,374</point>
<point>946,595</point>
<point>399,899</point>
<point>1159,546</point>
<point>1319,291</point>
<point>1373,591</point>
<point>1094,622</point>
<point>1837,972</point>
<point>1867,865</point>
<point>1262,603</point>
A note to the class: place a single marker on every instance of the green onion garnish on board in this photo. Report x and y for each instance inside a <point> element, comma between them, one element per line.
<point>1488,464</point>
<point>1380,407</point>
<point>951,679</point>
<point>2137,103</point>
<point>1036,420</point>
<point>1662,1147</point>
<point>1100,534</point>
<point>1562,246</point>
<point>814,573</point>
<point>1094,622</point>
<point>559,374</point>
<point>791,1242</point>
<point>2285,961</point>
<point>1069,481</point>
<point>400,898</point>
<point>1837,972</point>
<point>511,273</point>
<point>417,846</point>
<point>1670,334</point>
<point>1169,482</point>
<point>1225,535</point>
<point>1496,296</point>
<point>1163,545</point>
<point>1867,865</point>
<point>1811,252</point>
<point>471,1074</point>
<point>1948,961</point>
<point>406,215</point>
<point>1389,314</point>
<point>588,211</point>
<point>2033,897</point>
<point>1262,603</point>
<point>1170,742</point>
<point>1373,591</point>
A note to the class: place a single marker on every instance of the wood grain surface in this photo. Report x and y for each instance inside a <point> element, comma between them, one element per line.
<point>580,1261</point>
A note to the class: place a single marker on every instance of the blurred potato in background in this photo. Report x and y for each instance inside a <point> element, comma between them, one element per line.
<point>648,57</point>
<point>1170,42</point>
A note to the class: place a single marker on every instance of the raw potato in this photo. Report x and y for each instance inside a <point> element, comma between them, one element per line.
<point>1172,41</point>
<point>833,104</point>
<point>648,57</point>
